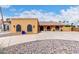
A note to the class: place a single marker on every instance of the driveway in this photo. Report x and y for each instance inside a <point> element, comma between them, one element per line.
<point>12,40</point>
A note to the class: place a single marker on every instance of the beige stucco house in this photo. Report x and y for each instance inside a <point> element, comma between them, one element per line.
<point>32,25</point>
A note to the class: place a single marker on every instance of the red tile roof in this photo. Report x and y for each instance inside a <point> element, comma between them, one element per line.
<point>50,23</point>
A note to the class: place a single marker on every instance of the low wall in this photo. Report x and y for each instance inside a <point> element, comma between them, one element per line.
<point>66,28</point>
<point>76,29</point>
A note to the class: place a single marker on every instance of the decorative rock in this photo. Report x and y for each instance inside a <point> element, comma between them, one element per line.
<point>45,47</point>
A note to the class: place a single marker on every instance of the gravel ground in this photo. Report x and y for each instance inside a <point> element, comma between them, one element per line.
<point>47,46</point>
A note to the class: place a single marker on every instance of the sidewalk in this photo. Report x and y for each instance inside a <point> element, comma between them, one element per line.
<point>11,40</point>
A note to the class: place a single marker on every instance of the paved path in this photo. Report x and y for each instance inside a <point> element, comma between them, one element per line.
<point>11,40</point>
<point>8,34</point>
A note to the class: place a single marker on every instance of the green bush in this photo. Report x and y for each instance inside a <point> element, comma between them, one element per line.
<point>67,26</point>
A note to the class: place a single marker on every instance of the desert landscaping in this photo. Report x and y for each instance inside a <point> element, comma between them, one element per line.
<point>45,47</point>
<point>42,43</point>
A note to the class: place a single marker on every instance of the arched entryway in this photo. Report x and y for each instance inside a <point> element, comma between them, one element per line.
<point>48,28</point>
<point>29,28</point>
<point>18,28</point>
<point>57,28</point>
<point>41,28</point>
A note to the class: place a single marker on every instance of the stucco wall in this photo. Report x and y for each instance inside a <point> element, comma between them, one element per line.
<point>24,23</point>
<point>76,29</point>
<point>52,28</point>
<point>66,28</point>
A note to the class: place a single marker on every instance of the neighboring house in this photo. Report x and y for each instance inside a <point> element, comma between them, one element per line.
<point>6,26</point>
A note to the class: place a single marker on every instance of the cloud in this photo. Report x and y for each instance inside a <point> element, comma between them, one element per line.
<point>71,14</point>
<point>5,6</point>
<point>40,14</point>
<point>13,10</point>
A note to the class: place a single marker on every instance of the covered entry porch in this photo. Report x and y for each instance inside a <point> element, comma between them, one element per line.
<point>50,28</point>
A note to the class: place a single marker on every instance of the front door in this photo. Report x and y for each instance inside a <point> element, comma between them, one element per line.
<point>41,28</point>
<point>48,28</point>
<point>57,28</point>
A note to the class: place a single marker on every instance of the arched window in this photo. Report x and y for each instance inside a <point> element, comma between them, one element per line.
<point>18,28</point>
<point>29,28</point>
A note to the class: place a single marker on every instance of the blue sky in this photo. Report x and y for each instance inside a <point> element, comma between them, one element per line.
<point>43,12</point>
<point>47,8</point>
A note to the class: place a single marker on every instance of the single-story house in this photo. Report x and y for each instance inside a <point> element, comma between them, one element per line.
<point>32,25</point>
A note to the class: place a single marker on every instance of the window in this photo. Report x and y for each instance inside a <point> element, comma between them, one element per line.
<point>29,28</point>
<point>18,28</point>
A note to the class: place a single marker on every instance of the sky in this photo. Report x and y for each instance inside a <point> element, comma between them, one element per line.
<point>62,13</point>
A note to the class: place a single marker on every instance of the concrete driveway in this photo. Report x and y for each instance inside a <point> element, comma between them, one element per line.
<point>12,40</point>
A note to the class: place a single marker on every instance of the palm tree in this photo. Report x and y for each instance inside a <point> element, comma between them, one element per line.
<point>64,21</point>
<point>67,21</point>
<point>59,21</point>
<point>2,17</point>
<point>78,21</point>
<point>72,26</point>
